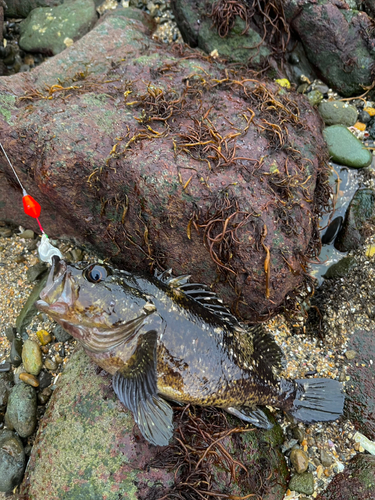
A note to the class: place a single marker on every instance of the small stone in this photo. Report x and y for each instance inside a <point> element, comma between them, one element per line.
<point>44,395</point>
<point>5,232</point>
<point>16,352</point>
<point>32,357</point>
<point>12,460</point>
<point>17,372</point>
<point>60,334</point>
<point>314,97</point>
<point>346,149</point>
<point>338,112</point>
<point>50,364</point>
<point>35,272</point>
<point>59,359</point>
<point>44,337</point>
<point>21,410</point>
<point>350,354</point>
<point>27,235</point>
<point>4,366</point>
<point>10,333</point>
<point>300,460</point>
<point>325,458</point>
<point>29,379</point>
<point>299,434</point>
<point>44,349</point>
<point>302,483</point>
<point>45,379</point>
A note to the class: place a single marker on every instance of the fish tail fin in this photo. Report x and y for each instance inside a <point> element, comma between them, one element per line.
<point>317,400</point>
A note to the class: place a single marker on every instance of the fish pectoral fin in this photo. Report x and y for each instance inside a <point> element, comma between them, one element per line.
<point>255,416</point>
<point>136,387</point>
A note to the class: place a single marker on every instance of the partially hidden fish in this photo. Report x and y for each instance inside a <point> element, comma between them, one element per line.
<point>164,338</point>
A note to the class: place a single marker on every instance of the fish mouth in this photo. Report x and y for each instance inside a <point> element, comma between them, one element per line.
<point>58,294</point>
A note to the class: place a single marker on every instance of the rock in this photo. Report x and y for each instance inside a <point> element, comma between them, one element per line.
<point>61,334</point>
<point>142,204</point>
<point>29,379</point>
<point>50,30</point>
<point>27,235</point>
<point>314,97</point>
<point>44,337</point>
<point>338,113</point>
<point>338,42</point>
<point>12,460</point>
<point>44,395</point>
<point>355,483</point>
<point>22,8</point>
<point>341,268</point>
<point>332,230</point>
<point>21,410</point>
<point>364,117</point>
<point>300,460</point>
<point>50,364</point>
<point>5,232</point>
<point>29,310</point>
<point>36,271</point>
<point>360,398</point>
<point>4,366</point>
<point>32,357</point>
<point>345,149</point>
<point>10,333</point>
<point>6,385</point>
<point>302,483</point>
<point>325,458</point>
<point>45,379</point>
<point>16,352</point>
<point>350,354</point>
<point>85,420</point>
<point>358,215</point>
<point>17,372</point>
<point>239,45</point>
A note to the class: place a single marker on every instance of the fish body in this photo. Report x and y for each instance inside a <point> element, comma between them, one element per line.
<point>164,337</point>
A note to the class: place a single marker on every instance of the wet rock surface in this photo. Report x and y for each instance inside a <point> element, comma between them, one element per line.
<point>345,148</point>
<point>148,169</point>
<point>21,410</point>
<point>112,459</point>
<point>356,482</point>
<point>12,460</point>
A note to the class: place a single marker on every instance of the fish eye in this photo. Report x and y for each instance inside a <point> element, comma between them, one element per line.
<point>96,273</point>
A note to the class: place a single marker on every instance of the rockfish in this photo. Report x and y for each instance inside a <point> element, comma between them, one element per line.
<point>164,338</point>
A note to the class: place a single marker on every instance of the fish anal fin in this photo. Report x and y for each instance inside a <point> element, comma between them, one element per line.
<point>136,387</point>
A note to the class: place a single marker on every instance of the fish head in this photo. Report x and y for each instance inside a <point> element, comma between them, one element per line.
<point>88,296</point>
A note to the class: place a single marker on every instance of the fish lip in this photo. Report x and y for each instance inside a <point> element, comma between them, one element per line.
<point>54,281</point>
<point>58,278</point>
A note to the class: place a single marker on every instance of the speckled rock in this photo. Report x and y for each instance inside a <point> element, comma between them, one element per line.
<point>12,460</point>
<point>50,30</point>
<point>345,149</point>
<point>22,8</point>
<point>61,334</point>
<point>88,436</point>
<point>32,357</point>
<point>300,460</point>
<point>360,399</point>
<point>357,482</point>
<point>21,410</point>
<point>302,483</point>
<point>338,113</point>
<point>359,214</point>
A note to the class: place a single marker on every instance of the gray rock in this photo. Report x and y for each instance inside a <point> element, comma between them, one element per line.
<point>32,357</point>
<point>300,460</point>
<point>338,113</point>
<point>27,235</point>
<point>302,483</point>
<point>340,268</point>
<point>61,334</point>
<point>51,30</point>
<point>12,460</point>
<point>325,458</point>
<point>36,271</point>
<point>359,213</point>
<point>22,8</point>
<point>345,148</point>
<point>21,410</point>
<point>16,352</point>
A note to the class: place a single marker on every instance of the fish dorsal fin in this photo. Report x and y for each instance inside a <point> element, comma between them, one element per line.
<point>198,292</point>
<point>267,355</point>
<point>136,387</point>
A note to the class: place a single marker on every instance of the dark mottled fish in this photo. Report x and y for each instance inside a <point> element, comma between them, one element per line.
<point>165,336</point>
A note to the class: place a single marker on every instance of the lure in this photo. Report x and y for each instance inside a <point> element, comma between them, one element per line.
<point>32,208</point>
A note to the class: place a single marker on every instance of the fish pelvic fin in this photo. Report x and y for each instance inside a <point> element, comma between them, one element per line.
<point>136,387</point>
<point>317,400</point>
<point>255,416</point>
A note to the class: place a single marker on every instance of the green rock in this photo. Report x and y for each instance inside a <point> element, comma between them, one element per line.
<point>21,410</point>
<point>346,149</point>
<point>54,29</point>
<point>341,268</point>
<point>338,112</point>
<point>360,212</point>
<point>302,483</point>
<point>22,8</point>
<point>314,97</point>
<point>12,460</point>
<point>32,357</point>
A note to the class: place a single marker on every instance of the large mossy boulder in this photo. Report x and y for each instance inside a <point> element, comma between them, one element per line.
<point>94,448</point>
<point>162,158</point>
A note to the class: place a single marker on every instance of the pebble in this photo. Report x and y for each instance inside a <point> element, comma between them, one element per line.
<point>16,352</point>
<point>34,272</point>
<point>60,334</point>
<point>50,364</point>
<point>299,460</point>
<point>29,379</point>
<point>5,366</point>
<point>325,458</point>
<point>28,234</point>
<point>346,149</point>
<point>302,483</point>
<point>44,395</point>
<point>350,354</point>
<point>45,379</point>
<point>21,410</point>
<point>338,112</point>
<point>32,357</point>
<point>12,460</point>
<point>44,337</point>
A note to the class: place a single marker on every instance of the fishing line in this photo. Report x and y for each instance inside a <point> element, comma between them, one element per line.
<point>32,208</point>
